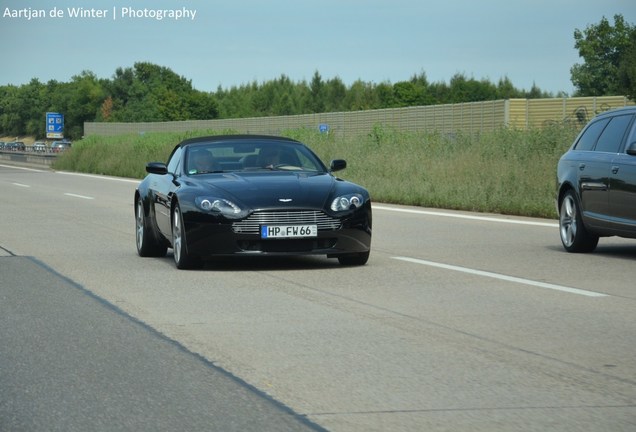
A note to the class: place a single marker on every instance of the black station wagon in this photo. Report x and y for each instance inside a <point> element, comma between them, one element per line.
<point>596,182</point>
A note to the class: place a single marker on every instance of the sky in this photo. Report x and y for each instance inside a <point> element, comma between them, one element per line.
<point>223,44</point>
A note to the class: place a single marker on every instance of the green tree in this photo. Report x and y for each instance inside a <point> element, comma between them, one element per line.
<point>415,92</point>
<point>264,97</point>
<point>463,89</point>
<point>440,92</point>
<point>407,93</point>
<point>85,97</point>
<point>22,109</point>
<point>360,96</point>
<point>202,106</point>
<point>237,101</point>
<point>284,101</point>
<point>627,69</point>
<point>34,95</point>
<point>10,122</point>
<point>505,89</point>
<point>148,92</point>
<point>335,93</point>
<point>317,88</point>
<point>602,47</point>
<point>385,95</point>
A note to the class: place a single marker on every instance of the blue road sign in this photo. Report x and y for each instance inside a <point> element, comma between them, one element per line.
<point>54,125</point>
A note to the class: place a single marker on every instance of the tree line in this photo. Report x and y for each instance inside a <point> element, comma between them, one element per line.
<point>151,93</point>
<point>148,92</point>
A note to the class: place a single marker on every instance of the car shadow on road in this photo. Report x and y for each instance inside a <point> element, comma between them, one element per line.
<point>263,263</point>
<point>622,251</point>
<point>617,251</point>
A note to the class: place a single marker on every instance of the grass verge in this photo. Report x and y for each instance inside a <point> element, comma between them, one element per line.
<point>507,171</point>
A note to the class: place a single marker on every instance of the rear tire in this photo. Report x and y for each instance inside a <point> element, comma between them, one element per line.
<point>147,243</point>
<point>182,259</point>
<point>574,235</point>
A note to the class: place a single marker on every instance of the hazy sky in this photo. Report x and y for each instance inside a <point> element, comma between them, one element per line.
<point>233,42</point>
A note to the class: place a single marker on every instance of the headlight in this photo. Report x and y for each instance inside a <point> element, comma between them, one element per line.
<point>219,206</point>
<point>347,202</point>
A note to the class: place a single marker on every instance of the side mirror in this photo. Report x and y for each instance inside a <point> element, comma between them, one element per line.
<point>631,149</point>
<point>156,168</point>
<point>337,165</point>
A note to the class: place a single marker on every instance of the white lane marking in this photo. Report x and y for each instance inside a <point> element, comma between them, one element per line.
<point>100,177</point>
<point>79,196</point>
<point>21,185</point>
<point>21,168</point>
<point>465,216</point>
<point>503,277</point>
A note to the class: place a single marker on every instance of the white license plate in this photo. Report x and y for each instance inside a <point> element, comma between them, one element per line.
<point>288,231</point>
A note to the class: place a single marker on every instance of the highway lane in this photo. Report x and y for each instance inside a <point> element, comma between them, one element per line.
<point>459,321</point>
<point>70,362</point>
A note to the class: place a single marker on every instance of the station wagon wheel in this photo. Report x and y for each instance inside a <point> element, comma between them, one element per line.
<point>574,235</point>
<point>147,244</point>
<point>181,257</point>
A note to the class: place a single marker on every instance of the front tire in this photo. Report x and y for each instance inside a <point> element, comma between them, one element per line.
<point>147,243</point>
<point>574,235</point>
<point>182,259</point>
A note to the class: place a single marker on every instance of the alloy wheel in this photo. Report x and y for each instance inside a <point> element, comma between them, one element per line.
<point>139,219</point>
<point>567,221</point>
<point>177,235</point>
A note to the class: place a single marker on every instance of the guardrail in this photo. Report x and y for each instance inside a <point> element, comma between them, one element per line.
<point>27,158</point>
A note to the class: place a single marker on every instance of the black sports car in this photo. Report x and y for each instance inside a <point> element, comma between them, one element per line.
<point>250,195</point>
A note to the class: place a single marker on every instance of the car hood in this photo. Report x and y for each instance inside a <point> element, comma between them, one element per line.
<point>275,189</point>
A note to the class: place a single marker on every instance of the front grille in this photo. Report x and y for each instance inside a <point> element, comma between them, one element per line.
<point>252,224</point>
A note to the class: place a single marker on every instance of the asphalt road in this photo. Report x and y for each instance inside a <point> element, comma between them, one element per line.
<point>71,362</point>
<point>459,321</point>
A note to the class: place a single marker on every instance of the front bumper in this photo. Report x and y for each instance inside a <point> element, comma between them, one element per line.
<point>207,236</point>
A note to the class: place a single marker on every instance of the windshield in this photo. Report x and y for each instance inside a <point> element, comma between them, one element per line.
<point>253,156</point>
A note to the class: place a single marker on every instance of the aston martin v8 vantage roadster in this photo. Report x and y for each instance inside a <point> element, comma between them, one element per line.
<point>250,195</point>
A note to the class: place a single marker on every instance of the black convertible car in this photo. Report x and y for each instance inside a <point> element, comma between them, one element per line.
<point>250,195</point>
